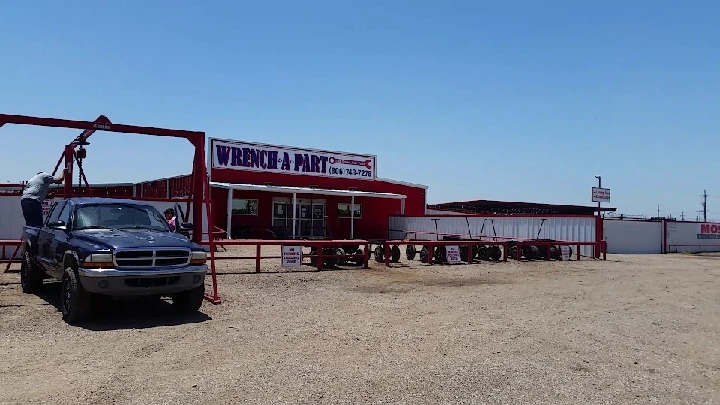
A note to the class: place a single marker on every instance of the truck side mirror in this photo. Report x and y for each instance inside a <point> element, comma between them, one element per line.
<point>57,225</point>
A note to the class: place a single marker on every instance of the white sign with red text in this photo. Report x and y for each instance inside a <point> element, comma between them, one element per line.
<point>291,256</point>
<point>237,155</point>
<point>452,253</point>
<point>600,194</point>
<point>708,231</point>
<point>564,253</point>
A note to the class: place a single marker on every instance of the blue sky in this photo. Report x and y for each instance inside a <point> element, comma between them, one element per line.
<point>523,101</point>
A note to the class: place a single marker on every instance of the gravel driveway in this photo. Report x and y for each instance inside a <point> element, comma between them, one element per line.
<point>633,329</point>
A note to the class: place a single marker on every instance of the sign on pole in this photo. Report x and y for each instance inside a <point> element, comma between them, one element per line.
<point>600,194</point>
<point>453,254</point>
<point>291,256</point>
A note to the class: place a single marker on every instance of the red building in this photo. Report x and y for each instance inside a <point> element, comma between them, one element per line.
<point>254,188</point>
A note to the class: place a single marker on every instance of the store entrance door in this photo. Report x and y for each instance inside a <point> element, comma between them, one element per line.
<point>310,218</point>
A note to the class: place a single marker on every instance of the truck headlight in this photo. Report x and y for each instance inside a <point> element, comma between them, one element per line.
<point>98,261</point>
<point>198,257</point>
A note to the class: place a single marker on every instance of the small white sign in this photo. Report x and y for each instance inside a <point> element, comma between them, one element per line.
<point>600,194</point>
<point>291,256</point>
<point>564,253</point>
<point>453,254</point>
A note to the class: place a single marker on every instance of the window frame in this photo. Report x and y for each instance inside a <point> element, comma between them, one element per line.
<point>358,205</point>
<point>257,207</point>
<point>58,205</point>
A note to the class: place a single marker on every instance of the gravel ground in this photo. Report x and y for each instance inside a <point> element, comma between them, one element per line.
<point>634,329</point>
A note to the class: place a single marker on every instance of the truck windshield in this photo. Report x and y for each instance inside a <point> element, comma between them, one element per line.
<point>119,216</point>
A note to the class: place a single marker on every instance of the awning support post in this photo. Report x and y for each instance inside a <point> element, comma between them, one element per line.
<point>228,224</point>
<point>294,217</point>
<point>352,217</point>
<point>402,206</point>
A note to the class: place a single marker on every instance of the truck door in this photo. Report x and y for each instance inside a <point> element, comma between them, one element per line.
<point>59,242</point>
<point>46,236</point>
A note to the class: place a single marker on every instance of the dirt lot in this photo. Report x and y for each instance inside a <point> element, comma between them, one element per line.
<point>634,329</point>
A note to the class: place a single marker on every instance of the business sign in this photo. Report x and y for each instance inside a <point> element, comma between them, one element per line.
<point>600,194</point>
<point>291,256</point>
<point>452,253</point>
<point>237,155</point>
<point>708,231</point>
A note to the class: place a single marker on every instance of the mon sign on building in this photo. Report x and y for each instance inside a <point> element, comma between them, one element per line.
<point>709,231</point>
<point>238,155</point>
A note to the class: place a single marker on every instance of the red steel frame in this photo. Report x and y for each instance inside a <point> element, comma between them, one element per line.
<point>319,244</point>
<point>201,185</point>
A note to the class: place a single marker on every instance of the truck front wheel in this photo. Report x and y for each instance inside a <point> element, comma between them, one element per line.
<point>31,278</point>
<point>190,300</point>
<point>74,300</point>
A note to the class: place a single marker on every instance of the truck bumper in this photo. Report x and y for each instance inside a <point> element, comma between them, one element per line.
<point>141,282</point>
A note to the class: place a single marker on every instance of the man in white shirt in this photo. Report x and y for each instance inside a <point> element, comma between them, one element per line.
<point>34,194</point>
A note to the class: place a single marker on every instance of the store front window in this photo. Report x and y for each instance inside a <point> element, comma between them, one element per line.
<point>241,206</point>
<point>344,211</point>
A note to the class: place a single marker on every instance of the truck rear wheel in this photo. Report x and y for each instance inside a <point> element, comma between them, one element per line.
<point>31,278</point>
<point>190,300</point>
<point>74,300</point>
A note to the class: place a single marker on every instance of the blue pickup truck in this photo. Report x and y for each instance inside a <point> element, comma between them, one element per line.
<point>112,247</point>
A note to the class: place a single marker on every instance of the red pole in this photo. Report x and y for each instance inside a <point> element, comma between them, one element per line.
<point>199,178</point>
<point>257,259</point>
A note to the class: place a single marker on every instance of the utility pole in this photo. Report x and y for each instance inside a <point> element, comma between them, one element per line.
<point>599,186</point>
<point>704,205</point>
<point>658,211</point>
<point>682,216</point>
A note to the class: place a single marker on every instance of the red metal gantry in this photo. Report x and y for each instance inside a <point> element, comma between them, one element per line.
<point>201,185</point>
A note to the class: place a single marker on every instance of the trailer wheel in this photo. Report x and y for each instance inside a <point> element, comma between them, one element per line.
<point>494,253</point>
<point>513,253</point>
<point>359,260</point>
<point>475,251</point>
<point>313,260</point>
<point>424,254</point>
<point>464,254</point>
<point>533,252</point>
<point>330,262</point>
<point>379,253</point>
<point>554,252</point>
<point>340,260</point>
<point>410,252</point>
<point>395,254</point>
<point>440,255</point>
<point>482,252</point>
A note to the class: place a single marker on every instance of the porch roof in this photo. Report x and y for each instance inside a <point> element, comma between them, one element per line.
<point>306,190</point>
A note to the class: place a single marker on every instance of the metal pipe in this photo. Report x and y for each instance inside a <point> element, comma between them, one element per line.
<point>294,214</point>
<point>352,217</point>
<point>228,224</point>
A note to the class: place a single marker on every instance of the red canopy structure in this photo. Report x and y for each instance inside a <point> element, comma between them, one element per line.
<point>73,154</point>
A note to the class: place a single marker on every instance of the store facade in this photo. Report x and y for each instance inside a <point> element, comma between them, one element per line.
<point>261,190</point>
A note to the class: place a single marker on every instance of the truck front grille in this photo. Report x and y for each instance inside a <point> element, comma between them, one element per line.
<point>151,258</point>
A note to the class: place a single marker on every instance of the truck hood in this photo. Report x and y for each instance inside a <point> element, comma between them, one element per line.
<point>133,238</point>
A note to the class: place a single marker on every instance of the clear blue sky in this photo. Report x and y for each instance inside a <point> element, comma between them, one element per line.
<point>527,100</point>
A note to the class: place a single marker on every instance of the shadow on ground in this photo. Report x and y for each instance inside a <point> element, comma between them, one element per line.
<point>136,313</point>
